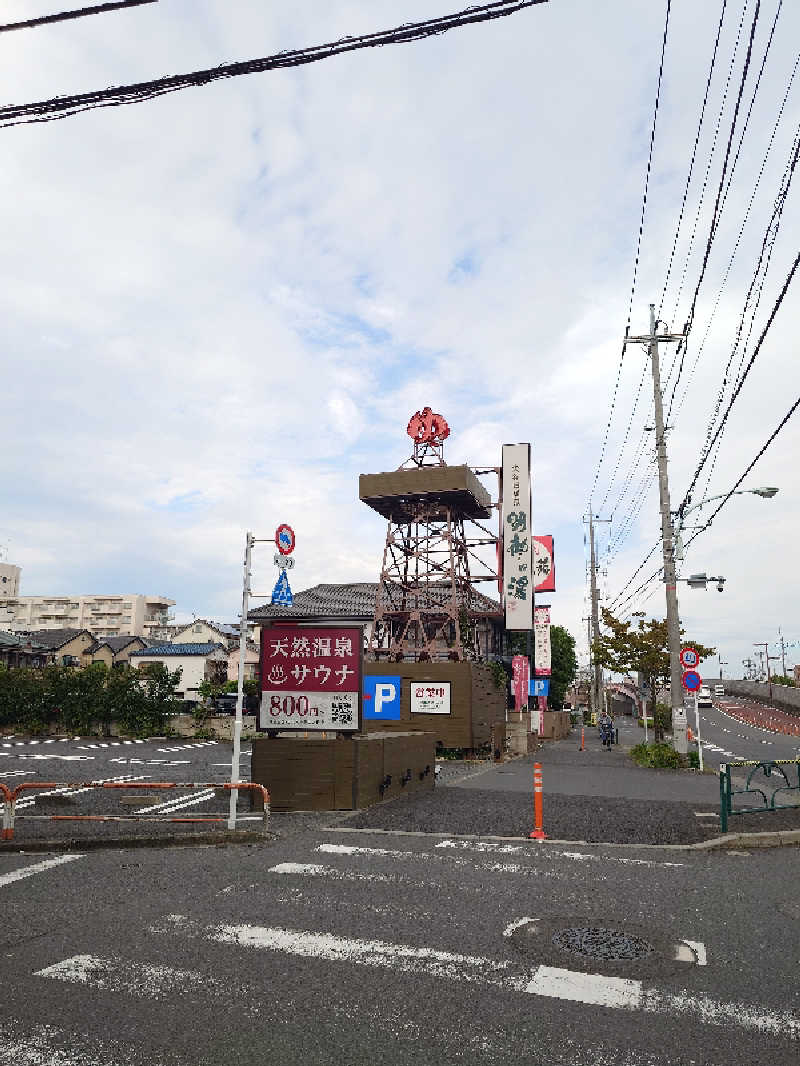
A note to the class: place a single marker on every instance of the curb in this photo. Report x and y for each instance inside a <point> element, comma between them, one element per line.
<point>171,840</point>
<point>789,838</point>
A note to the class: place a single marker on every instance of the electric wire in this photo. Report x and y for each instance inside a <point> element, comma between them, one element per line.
<point>712,153</point>
<point>76,13</point>
<point>638,252</point>
<point>60,107</point>
<point>750,466</point>
<point>742,377</point>
<point>745,219</point>
<point>694,155</point>
<point>715,214</point>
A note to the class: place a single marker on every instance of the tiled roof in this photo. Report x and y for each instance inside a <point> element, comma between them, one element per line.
<point>122,641</point>
<point>351,601</point>
<point>177,649</point>
<point>56,638</point>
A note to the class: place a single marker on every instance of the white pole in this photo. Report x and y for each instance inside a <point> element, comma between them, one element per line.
<point>237,725</point>
<point>644,708</point>
<point>697,725</point>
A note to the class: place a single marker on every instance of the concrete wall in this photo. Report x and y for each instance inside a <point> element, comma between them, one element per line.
<point>784,698</point>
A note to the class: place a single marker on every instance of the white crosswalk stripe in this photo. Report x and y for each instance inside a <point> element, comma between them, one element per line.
<point>127,976</point>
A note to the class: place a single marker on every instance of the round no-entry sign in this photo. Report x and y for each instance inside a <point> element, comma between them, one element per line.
<point>689,658</point>
<point>284,539</point>
<point>692,680</point>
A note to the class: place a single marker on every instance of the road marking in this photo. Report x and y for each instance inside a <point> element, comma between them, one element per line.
<point>509,929</point>
<point>579,856</point>
<point>699,949</point>
<point>76,791</point>
<point>178,803</point>
<point>594,988</point>
<point>545,981</point>
<point>37,868</point>
<point>16,773</point>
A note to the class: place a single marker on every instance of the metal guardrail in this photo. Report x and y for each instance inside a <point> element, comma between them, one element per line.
<point>768,766</point>
<point>10,798</point>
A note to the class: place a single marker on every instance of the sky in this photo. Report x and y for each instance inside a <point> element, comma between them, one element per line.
<point>220,307</point>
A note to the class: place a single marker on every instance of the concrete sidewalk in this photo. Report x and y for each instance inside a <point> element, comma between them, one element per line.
<point>599,772</point>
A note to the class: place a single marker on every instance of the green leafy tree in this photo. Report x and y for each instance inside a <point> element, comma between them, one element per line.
<point>564,666</point>
<point>641,647</point>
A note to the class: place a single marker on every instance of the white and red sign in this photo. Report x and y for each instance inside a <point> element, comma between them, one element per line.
<point>689,658</point>
<point>310,677</point>
<point>284,539</point>
<point>520,676</point>
<point>430,697</point>
<point>541,641</point>
<point>544,564</point>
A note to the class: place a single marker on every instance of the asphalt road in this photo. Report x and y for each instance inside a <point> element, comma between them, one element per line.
<point>725,739</point>
<point>347,948</point>
<point>89,759</point>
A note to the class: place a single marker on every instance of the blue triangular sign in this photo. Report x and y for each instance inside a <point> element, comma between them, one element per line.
<point>282,594</point>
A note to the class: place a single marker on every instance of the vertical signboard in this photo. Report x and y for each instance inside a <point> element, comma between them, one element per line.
<point>310,677</point>
<point>541,642</point>
<point>520,676</point>
<point>518,579</point>
<point>544,564</point>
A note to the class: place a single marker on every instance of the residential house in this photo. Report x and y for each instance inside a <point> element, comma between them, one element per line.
<point>202,629</point>
<point>68,646</point>
<point>197,663</point>
<point>251,661</point>
<point>18,651</point>
<point>113,651</point>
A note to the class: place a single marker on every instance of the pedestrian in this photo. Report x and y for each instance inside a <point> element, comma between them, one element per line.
<point>606,727</point>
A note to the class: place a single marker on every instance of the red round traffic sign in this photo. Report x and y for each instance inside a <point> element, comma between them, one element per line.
<point>691,680</point>
<point>284,539</point>
<point>689,658</point>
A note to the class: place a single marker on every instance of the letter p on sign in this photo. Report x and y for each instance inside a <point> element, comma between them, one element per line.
<point>382,698</point>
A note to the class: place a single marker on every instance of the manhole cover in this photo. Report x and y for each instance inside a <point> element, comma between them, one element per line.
<point>595,942</point>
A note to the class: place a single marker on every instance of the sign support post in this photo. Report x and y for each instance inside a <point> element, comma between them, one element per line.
<point>237,725</point>
<point>697,727</point>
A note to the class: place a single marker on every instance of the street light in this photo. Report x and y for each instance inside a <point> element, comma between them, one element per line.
<point>766,492</point>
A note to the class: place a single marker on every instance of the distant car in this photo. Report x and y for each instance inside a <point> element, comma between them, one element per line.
<point>704,697</point>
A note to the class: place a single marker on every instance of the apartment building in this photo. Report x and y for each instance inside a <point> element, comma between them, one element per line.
<point>103,616</point>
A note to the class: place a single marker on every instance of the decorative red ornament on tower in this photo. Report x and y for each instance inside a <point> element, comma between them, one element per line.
<point>426,427</point>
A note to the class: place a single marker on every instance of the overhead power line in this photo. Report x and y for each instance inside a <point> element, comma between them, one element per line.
<point>636,258</point>
<point>77,13</point>
<point>115,96</point>
<point>750,466</point>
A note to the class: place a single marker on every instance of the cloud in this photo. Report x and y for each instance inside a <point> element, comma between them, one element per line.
<point>220,307</point>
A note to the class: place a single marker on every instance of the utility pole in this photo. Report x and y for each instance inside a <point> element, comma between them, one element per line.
<point>783,653</point>
<point>597,683</point>
<point>721,664</point>
<point>767,658</point>
<point>667,545</point>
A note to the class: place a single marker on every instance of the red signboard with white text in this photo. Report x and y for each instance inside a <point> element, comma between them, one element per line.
<point>544,564</point>
<point>520,676</point>
<point>310,677</point>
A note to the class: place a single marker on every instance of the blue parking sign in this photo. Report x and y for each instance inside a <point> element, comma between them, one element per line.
<point>539,686</point>
<point>382,697</point>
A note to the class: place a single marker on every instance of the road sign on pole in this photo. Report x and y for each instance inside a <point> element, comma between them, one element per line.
<point>284,539</point>
<point>692,680</point>
<point>689,658</point>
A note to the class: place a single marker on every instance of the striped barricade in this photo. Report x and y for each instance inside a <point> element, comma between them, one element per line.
<point>10,798</point>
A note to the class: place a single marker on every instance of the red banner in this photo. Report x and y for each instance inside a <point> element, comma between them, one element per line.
<point>544,564</point>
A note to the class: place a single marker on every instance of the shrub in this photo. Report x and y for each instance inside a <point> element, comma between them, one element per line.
<point>657,756</point>
<point>694,760</point>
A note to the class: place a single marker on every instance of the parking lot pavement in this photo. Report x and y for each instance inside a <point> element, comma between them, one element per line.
<point>334,947</point>
<point>56,762</point>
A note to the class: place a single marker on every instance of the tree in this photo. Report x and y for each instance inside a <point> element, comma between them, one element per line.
<point>564,666</point>
<point>641,648</point>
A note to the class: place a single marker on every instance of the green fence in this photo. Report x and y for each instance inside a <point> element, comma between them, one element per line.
<point>769,767</point>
